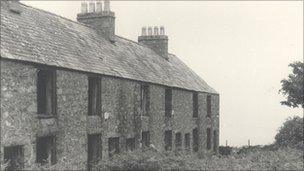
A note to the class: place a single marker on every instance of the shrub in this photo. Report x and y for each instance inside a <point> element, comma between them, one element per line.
<point>291,133</point>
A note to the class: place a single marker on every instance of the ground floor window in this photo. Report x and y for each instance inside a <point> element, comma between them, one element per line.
<point>130,144</point>
<point>46,150</point>
<point>145,135</point>
<point>14,157</point>
<point>187,141</point>
<point>168,140</point>
<point>215,140</point>
<point>195,140</point>
<point>208,138</point>
<point>178,140</point>
<point>113,146</point>
<point>94,149</point>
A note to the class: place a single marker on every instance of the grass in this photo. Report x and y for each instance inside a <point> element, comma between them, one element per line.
<point>258,159</point>
<point>253,158</point>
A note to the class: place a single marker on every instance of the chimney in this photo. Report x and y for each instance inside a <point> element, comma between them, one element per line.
<point>93,16</point>
<point>156,40</point>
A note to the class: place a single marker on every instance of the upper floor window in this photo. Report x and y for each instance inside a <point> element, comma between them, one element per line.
<point>168,102</point>
<point>46,93</point>
<point>94,95</point>
<point>145,99</point>
<point>209,106</point>
<point>195,104</point>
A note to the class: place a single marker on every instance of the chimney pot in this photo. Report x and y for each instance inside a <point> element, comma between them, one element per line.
<point>162,30</point>
<point>155,30</point>
<point>91,7</point>
<point>84,7</point>
<point>144,31</point>
<point>107,5</point>
<point>150,31</point>
<point>98,7</point>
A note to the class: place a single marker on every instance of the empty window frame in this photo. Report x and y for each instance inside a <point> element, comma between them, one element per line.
<point>187,141</point>
<point>130,144</point>
<point>14,157</point>
<point>113,146</point>
<point>208,138</point>
<point>145,99</point>
<point>46,93</point>
<point>178,140</point>
<point>209,106</point>
<point>215,140</point>
<point>195,104</point>
<point>94,95</point>
<point>195,140</point>
<point>46,150</point>
<point>94,149</point>
<point>168,102</point>
<point>168,140</point>
<point>145,135</point>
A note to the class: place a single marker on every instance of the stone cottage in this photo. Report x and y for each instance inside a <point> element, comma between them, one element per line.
<point>75,92</point>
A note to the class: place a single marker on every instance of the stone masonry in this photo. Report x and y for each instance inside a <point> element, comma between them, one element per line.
<point>120,99</point>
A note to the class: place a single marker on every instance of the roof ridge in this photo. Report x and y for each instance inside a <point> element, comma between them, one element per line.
<point>53,14</point>
<point>76,22</point>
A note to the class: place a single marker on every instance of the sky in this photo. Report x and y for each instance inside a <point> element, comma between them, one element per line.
<point>241,49</point>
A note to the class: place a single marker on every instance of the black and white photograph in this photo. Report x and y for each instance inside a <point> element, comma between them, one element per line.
<point>151,85</point>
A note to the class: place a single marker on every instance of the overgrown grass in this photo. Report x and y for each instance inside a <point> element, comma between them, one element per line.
<point>258,159</point>
<point>253,158</point>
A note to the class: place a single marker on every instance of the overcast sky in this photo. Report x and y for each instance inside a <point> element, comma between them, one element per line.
<point>242,49</point>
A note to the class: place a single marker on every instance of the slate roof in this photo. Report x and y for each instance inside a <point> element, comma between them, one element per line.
<point>40,37</point>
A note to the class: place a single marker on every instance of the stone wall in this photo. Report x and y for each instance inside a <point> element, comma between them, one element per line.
<point>120,101</point>
<point>18,108</point>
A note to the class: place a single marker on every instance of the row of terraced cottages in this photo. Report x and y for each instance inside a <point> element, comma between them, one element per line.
<point>73,96</point>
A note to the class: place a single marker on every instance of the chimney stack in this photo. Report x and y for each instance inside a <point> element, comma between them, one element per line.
<point>157,41</point>
<point>102,21</point>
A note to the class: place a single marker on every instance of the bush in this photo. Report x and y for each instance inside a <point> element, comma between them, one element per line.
<point>291,133</point>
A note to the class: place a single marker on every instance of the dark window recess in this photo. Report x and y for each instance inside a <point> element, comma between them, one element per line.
<point>195,140</point>
<point>113,146</point>
<point>209,106</point>
<point>14,157</point>
<point>130,144</point>
<point>145,138</point>
<point>145,100</point>
<point>168,102</point>
<point>215,140</point>
<point>178,141</point>
<point>208,138</point>
<point>187,141</point>
<point>46,150</point>
<point>195,104</point>
<point>46,93</point>
<point>168,140</point>
<point>94,95</point>
<point>94,149</point>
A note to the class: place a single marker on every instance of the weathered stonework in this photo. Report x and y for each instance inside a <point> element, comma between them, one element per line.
<point>120,103</point>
